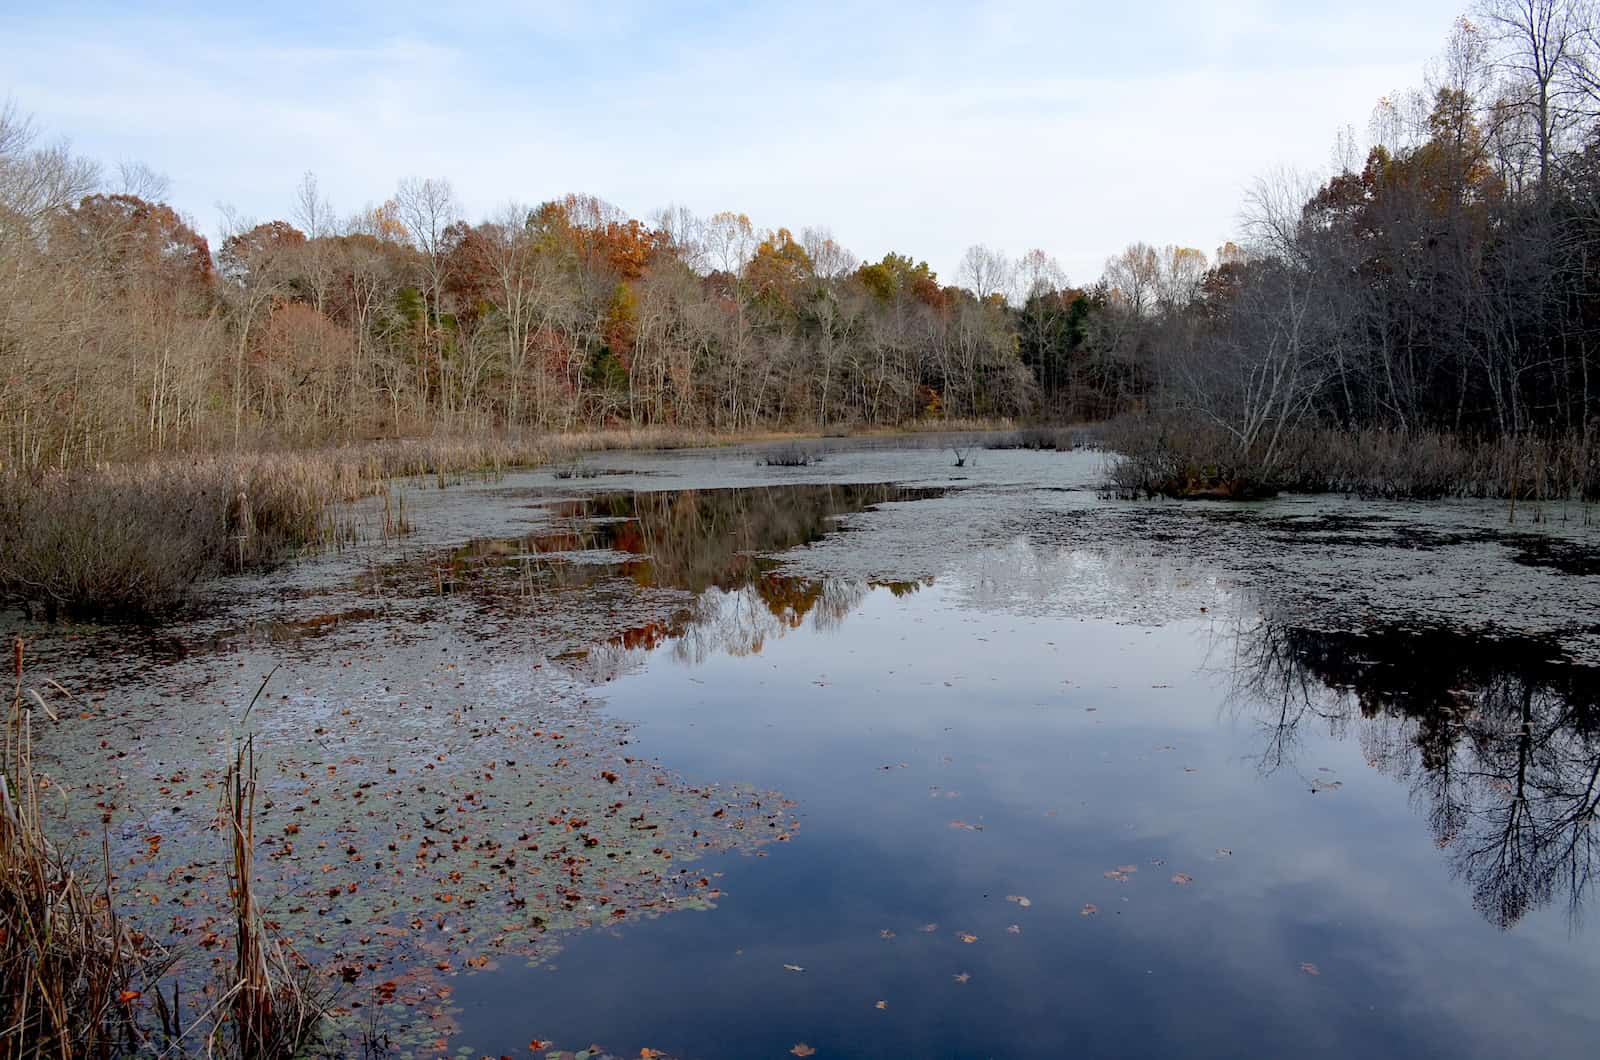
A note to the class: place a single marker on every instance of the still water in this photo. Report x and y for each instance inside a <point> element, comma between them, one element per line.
<point>1028,831</point>
<point>699,757</point>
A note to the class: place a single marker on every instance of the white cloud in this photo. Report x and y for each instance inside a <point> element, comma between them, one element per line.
<point>915,128</point>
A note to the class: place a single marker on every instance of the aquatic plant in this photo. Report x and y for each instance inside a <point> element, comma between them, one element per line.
<point>70,969</point>
<point>274,1009</point>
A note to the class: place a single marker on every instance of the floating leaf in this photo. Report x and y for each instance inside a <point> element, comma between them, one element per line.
<point>967,937</point>
<point>802,1049</point>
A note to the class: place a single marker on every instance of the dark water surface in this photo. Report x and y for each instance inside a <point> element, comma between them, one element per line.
<point>970,761</point>
<point>1033,834</point>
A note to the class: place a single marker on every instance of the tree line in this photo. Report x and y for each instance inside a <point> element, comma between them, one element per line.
<point>1446,280</point>
<point>122,330</point>
<point>1442,280</point>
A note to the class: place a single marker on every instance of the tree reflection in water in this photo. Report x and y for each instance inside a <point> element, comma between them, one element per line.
<point>713,543</point>
<point>1498,740</point>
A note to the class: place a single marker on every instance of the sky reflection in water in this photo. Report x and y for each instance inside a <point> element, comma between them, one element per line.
<point>1388,835</point>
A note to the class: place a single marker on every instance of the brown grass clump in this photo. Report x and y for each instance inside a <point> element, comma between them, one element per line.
<point>133,541</point>
<point>1173,457</point>
<point>71,972</point>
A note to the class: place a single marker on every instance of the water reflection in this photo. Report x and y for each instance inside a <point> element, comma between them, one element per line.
<point>741,621</point>
<point>1497,739</point>
<point>684,539</point>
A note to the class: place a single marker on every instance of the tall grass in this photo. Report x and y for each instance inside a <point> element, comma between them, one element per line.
<point>70,970</point>
<point>133,541</point>
<point>137,540</point>
<point>272,1010</point>
<point>73,973</point>
<point>1164,456</point>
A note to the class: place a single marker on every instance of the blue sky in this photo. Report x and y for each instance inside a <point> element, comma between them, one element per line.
<point>920,128</point>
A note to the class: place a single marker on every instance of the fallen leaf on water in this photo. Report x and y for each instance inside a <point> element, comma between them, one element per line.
<point>794,968</point>
<point>1089,909</point>
<point>126,996</point>
<point>650,1054</point>
<point>802,1049</point>
<point>537,1044</point>
<point>1182,879</point>
<point>881,1004</point>
<point>1309,968</point>
<point>1019,899</point>
<point>1013,929</point>
<point>962,977</point>
<point>967,937</point>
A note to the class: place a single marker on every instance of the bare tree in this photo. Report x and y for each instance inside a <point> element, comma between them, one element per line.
<point>426,207</point>
<point>984,272</point>
<point>1542,53</point>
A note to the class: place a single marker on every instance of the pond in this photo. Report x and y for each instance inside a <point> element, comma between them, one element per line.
<point>881,757</point>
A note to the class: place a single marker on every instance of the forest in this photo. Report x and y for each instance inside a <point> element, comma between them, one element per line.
<point>1437,283</point>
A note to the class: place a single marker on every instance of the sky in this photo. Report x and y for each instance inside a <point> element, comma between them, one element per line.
<point>921,128</point>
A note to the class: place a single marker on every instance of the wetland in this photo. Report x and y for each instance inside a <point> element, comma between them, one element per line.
<point>695,754</point>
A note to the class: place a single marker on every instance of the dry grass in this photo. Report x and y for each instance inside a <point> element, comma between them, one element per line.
<point>72,973</point>
<point>134,541</point>
<point>1177,458</point>
<point>1052,439</point>
<point>137,541</point>
<point>70,970</point>
<point>271,1009</point>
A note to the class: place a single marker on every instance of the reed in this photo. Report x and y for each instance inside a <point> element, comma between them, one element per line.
<point>273,1011</point>
<point>71,972</point>
<point>1174,457</point>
